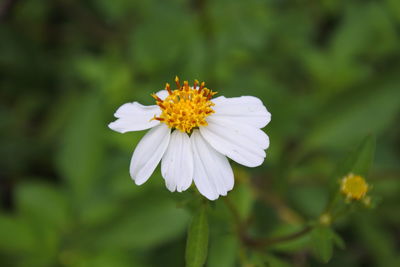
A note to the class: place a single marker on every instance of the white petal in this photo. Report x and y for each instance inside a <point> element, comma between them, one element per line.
<point>242,143</point>
<point>162,94</point>
<point>134,117</point>
<point>252,133</point>
<point>213,175</point>
<point>177,162</point>
<point>244,109</point>
<point>149,152</point>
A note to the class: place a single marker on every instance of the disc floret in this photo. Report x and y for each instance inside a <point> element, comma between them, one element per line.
<point>186,107</point>
<point>354,187</point>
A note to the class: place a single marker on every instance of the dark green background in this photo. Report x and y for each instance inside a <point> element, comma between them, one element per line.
<point>328,71</point>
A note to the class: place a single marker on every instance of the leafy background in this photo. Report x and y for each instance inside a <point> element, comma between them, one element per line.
<point>328,71</point>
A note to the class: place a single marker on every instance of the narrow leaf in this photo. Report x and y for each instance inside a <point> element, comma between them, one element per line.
<point>322,243</point>
<point>339,242</point>
<point>360,160</point>
<point>197,241</point>
<point>365,156</point>
<point>227,243</point>
<point>16,235</point>
<point>81,155</point>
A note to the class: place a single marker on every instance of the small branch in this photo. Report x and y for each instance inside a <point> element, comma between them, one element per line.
<point>241,230</point>
<point>234,211</point>
<point>285,213</point>
<point>266,242</point>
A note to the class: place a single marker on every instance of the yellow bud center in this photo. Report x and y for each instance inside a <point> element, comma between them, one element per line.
<point>186,107</point>
<point>354,187</point>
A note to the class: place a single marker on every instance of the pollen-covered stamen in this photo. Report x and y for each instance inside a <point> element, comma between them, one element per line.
<point>158,119</point>
<point>157,98</point>
<point>186,107</point>
<point>168,88</point>
<point>354,187</point>
<point>186,86</point>
<point>177,82</point>
<point>202,86</point>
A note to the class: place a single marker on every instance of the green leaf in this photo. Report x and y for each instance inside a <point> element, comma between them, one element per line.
<point>309,199</point>
<point>273,261</point>
<point>289,245</point>
<point>43,214</point>
<point>343,122</point>
<point>138,227</point>
<point>359,161</point>
<point>104,259</point>
<point>339,242</point>
<point>42,204</point>
<point>226,243</point>
<point>197,240</point>
<point>242,197</point>
<point>322,243</point>
<point>80,158</point>
<point>365,156</point>
<point>378,240</point>
<point>16,235</point>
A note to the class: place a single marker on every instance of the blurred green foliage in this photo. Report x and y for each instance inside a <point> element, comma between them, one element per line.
<point>328,71</point>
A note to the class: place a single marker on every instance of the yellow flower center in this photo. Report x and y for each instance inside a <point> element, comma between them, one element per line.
<point>354,187</point>
<point>185,107</point>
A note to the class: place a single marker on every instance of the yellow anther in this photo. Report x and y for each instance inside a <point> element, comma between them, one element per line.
<point>186,107</point>
<point>177,82</point>
<point>156,98</point>
<point>202,85</point>
<point>186,85</point>
<point>168,88</point>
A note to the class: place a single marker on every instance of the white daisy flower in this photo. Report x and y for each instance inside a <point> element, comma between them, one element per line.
<point>192,135</point>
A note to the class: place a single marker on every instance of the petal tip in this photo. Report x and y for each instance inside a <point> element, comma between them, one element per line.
<point>212,198</point>
<point>112,126</point>
<point>138,182</point>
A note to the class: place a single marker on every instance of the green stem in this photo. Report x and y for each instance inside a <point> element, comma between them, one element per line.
<point>262,243</point>
<point>241,226</point>
<point>340,213</point>
<point>332,203</point>
<point>259,243</point>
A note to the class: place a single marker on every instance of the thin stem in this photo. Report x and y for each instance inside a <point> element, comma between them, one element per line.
<point>259,243</point>
<point>285,213</point>
<point>266,242</point>
<point>234,211</point>
<point>340,213</point>
<point>332,203</point>
<point>240,225</point>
